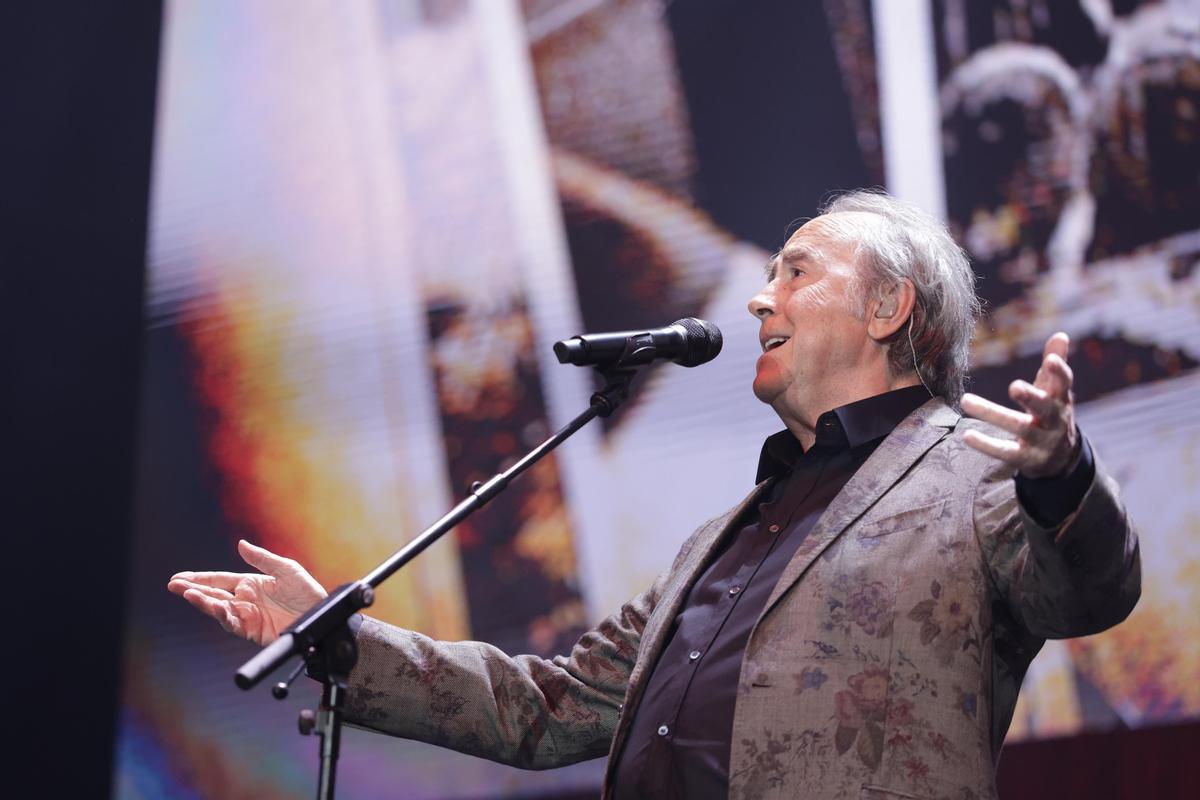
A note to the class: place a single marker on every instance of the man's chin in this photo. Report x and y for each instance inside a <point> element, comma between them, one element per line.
<point>766,391</point>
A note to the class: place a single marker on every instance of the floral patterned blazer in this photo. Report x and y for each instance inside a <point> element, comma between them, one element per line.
<point>886,663</point>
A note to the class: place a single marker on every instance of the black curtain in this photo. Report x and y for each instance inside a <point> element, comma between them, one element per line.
<point>77,89</point>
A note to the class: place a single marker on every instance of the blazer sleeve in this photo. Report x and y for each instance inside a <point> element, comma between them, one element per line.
<point>524,711</point>
<point>1077,578</point>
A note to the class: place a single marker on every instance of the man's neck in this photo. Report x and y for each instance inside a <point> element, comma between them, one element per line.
<point>803,425</point>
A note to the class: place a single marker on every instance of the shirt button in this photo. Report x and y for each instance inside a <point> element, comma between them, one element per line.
<point>694,655</point>
<point>774,529</point>
<point>663,730</point>
<point>734,590</point>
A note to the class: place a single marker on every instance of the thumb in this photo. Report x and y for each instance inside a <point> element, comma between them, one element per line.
<point>261,559</point>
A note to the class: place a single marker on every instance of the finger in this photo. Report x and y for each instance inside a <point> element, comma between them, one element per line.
<point>1044,408</point>
<point>231,621</point>
<point>1056,348</point>
<point>241,619</point>
<point>180,587</point>
<point>262,559</point>
<point>219,580</point>
<point>217,609</point>
<point>1059,377</point>
<point>1058,344</point>
<point>1007,451</point>
<point>1015,422</point>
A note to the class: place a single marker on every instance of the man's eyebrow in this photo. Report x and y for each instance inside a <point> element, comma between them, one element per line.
<point>797,252</point>
<point>792,253</point>
<point>769,267</point>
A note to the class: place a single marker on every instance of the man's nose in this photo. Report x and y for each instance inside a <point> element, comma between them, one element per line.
<point>762,305</point>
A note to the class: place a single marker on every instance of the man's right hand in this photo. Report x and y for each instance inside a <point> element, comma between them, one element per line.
<point>255,606</point>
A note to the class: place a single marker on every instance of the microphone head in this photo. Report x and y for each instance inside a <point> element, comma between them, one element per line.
<point>703,341</point>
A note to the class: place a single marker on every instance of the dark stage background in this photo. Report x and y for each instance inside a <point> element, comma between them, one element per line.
<point>301,364</point>
<point>77,88</point>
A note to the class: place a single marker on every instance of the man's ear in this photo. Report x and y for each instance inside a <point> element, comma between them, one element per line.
<point>890,310</point>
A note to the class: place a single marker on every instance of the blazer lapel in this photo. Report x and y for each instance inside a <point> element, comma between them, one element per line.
<point>919,431</point>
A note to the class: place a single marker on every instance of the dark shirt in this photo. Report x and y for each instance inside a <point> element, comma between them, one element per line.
<point>679,741</point>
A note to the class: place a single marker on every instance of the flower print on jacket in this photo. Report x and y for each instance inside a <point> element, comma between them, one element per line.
<point>869,605</point>
<point>948,621</point>
<point>861,710</point>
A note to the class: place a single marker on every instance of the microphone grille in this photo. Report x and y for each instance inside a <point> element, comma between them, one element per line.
<point>703,341</point>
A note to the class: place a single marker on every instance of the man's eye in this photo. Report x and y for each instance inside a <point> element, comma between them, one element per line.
<point>796,272</point>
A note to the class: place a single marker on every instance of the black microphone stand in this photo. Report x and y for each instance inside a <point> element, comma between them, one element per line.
<point>323,635</point>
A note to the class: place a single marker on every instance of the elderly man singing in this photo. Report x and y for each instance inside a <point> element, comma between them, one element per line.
<point>858,626</point>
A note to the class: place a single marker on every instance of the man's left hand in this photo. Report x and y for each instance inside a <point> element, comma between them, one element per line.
<point>1047,442</point>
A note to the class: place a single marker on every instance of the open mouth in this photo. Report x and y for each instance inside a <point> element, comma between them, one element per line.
<point>773,342</point>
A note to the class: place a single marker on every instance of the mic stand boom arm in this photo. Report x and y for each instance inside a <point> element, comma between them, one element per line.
<point>323,636</point>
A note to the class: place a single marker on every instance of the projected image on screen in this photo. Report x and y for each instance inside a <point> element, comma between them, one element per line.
<point>371,221</point>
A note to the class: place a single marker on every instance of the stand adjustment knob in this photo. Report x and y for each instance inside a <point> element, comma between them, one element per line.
<point>307,721</point>
<point>280,690</point>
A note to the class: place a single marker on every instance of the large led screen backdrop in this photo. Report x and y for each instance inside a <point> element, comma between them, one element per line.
<point>371,220</point>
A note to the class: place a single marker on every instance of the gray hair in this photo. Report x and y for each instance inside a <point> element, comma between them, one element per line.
<point>913,245</point>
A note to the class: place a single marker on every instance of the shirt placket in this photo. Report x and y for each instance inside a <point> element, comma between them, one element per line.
<point>774,518</point>
<point>731,589</point>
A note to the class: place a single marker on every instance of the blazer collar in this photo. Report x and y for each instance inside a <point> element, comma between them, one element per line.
<point>852,425</point>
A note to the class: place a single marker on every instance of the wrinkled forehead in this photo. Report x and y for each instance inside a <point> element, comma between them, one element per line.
<point>830,240</point>
<point>837,227</point>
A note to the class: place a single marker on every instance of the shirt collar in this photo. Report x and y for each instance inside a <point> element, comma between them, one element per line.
<point>845,427</point>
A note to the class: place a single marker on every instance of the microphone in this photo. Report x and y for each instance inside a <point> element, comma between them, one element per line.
<point>688,342</point>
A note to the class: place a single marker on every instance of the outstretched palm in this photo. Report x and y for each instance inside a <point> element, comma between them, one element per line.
<point>1045,442</point>
<point>255,606</point>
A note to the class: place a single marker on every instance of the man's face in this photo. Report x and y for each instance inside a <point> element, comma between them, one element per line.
<point>815,343</point>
